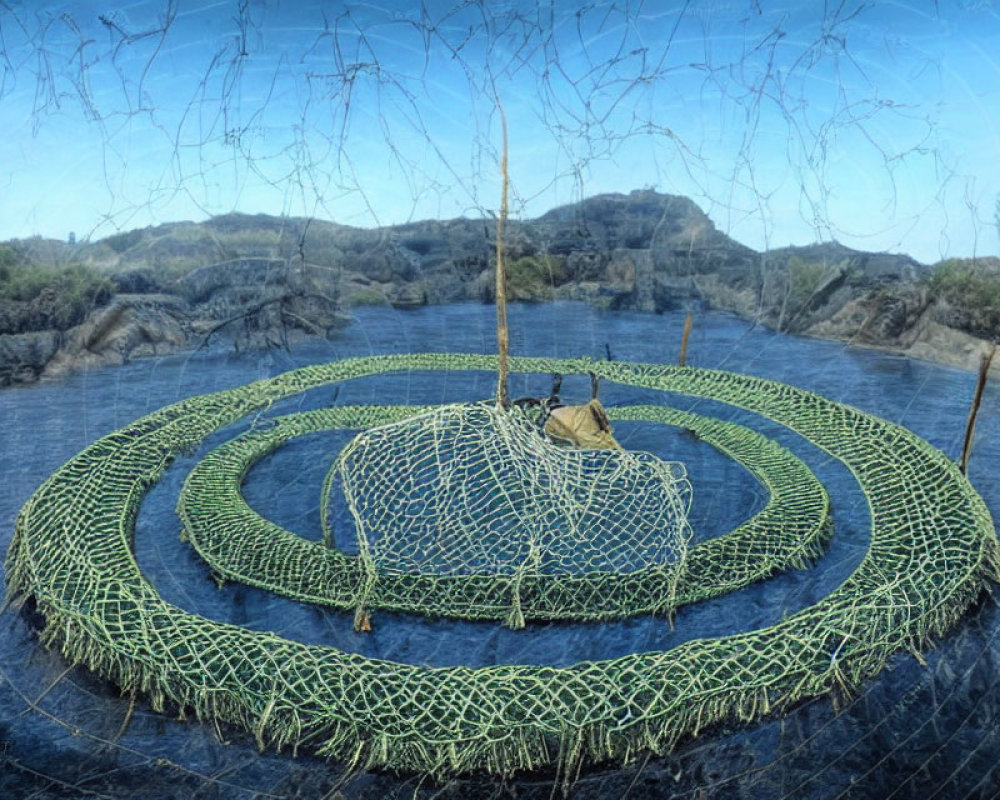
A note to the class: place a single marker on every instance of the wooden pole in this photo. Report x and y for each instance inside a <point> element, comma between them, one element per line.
<point>503,337</point>
<point>684,339</point>
<point>977,398</point>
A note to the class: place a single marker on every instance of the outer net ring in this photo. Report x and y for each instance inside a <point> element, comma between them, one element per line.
<point>933,548</point>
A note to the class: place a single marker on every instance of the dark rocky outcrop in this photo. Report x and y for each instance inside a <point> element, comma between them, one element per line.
<point>131,326</point>
<point>49,310</point>
<point>263,296</point>
<point>23,356</point>
<point>805,287</point>
<point>262,281</point>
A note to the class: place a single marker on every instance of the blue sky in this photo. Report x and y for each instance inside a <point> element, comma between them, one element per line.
<point>877,124</point>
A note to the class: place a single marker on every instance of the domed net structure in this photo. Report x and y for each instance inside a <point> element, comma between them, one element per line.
<point>477,489</point>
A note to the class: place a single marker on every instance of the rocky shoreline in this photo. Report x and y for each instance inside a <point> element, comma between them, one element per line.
<point>268,282</point>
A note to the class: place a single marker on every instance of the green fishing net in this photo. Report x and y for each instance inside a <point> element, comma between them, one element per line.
<point>932,551</point>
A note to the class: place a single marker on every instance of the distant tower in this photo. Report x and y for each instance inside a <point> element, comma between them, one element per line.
<point>72,237</point>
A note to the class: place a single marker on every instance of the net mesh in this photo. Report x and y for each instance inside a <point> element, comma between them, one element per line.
<point>468,489</point>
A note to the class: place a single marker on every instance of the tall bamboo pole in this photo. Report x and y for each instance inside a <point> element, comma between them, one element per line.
<point>682,359</point>
<point>503,337</point>
<point>977,398</point>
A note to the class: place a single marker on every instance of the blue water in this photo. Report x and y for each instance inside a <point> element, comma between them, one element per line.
<point>939,707</point>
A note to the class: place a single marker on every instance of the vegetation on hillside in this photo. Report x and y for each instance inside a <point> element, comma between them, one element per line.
<point>533,277</point>
<point>972,288</point>
<point>50,297</point>
<point>365,297</point>
<point>804,278</point>
<point>8,258</point>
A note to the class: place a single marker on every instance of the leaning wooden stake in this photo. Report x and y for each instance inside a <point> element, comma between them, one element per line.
<point>503,338</point>
<point>977,398</point>
<point>684,340</point>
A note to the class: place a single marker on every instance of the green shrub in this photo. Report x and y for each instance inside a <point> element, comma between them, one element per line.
<point>71,291</point>
<point>972,290</point>
<point>365,297</point>
<point>959,281</point>
<point>8,258</point>
<point>532,277</point>
<point>804,278</point>
<point>120,242</point>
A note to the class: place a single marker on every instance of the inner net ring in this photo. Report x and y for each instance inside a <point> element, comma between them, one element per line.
<point>241,545</point>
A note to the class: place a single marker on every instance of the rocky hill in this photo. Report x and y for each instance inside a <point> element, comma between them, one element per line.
<point>262,281</point>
